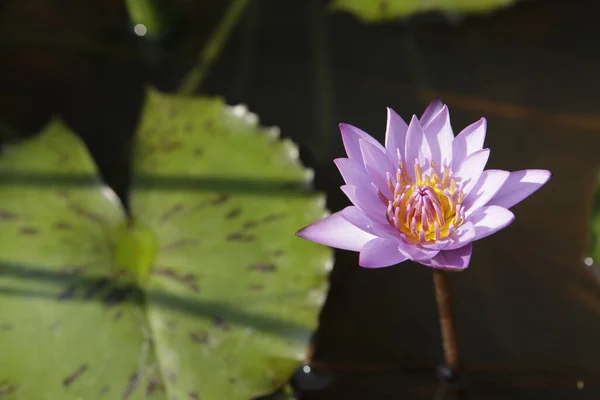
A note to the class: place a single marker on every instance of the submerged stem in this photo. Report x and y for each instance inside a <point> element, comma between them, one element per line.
<point>447,323</point>
<point>213,47</point>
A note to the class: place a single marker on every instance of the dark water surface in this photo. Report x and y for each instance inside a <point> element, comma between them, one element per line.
<point>528,309</point>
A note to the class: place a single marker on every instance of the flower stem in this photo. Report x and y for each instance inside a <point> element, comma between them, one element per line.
<point>447,322</point>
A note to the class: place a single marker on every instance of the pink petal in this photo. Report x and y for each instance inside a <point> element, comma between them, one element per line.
<point>351,136</point>
<point>451,260</point>
<point>487,186</point>
<point>417,147</point>
<point>395,136</point>
<point>379,253</point>
<point>463,235</point>
<point>367,202</point>
<point>431,111</point>
<point>336,231</point>
<point>354,174</point>
<point>468,141</point>
<point>519,185</point>
<point>359,219</point>
<point>376,164</point>
<point>440,136</point>
<point>490,219</point>
<point>417,252</point>
<point>471,168</point>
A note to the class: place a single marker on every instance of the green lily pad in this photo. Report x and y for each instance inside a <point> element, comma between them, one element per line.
<point>386,10</point>
<point>225,297</point>
<point>594,238</point>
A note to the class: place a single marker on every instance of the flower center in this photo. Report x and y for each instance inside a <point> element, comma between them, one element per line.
<point>426,209</point>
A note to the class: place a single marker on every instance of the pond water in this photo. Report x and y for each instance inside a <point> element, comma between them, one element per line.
<point>528,309</point>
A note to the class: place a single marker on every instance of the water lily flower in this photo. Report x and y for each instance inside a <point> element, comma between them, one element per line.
<point>425,196</point>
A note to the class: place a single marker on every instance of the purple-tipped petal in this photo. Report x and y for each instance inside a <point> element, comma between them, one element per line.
<point>354,174</point>
<point>336,231</point>
<point>451,260</point>
<point>471,168</point>
<point>379,253</point>
<point>417,147</point>
<point>490,219</point>
<point>520,185</point>
<point>395,136</point>
<point>376,164</point>
<point>468,141</point>
<point>351,136</point>
<point>440,136</point>
<point>487,186</point>
<point>430,112</point>
<point>367,202</point>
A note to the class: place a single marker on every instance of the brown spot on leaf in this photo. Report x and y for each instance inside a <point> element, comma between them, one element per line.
<point>188,280</point>
<point>240,237</point>
<point>171,325</point>
<point>198,151</point>
<point>199,337</point>
<point>278,253</point>
<point>62,193</point>
<point>220,323</point>
<point>5,327</point>
<point>171,145</point>
<point>54,326</point>
<point>249,224</point>
<point>98,286</point>
<point>233,213</point>
<point>232,380</point>
<point>171,212</point>
<point>220,199</point>
<point>193,396</point>
<point>5,390</point>
<point>132,384</point>
<point>66,294</point>
<point>153,385</point>
<point>68,381</point>
<point>87,213</point>
<point>62,226</point>
<point>263,267</point>
<point>118,315</point>
<point>72,269</point>
<point>116,296</point>
<point>28,230</point>
<point>104,390</point>
<point>180,243</point>
<point>6,215</point>
<point>63,159</point>
<point>384,6</point>
<point>256,287</point>
<point>171,376</point>
<point>273,217</point>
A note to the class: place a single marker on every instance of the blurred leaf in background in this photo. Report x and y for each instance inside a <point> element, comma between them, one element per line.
<point>225,297</point>
<point>386,10</point>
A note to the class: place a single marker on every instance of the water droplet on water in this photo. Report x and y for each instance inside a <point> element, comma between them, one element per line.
<point>309,379</point>
<point>140,29</point>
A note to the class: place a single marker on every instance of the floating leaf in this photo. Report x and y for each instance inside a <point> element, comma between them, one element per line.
<point>385,10</point>
<point>225,298</point>
<point>594,242</point>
